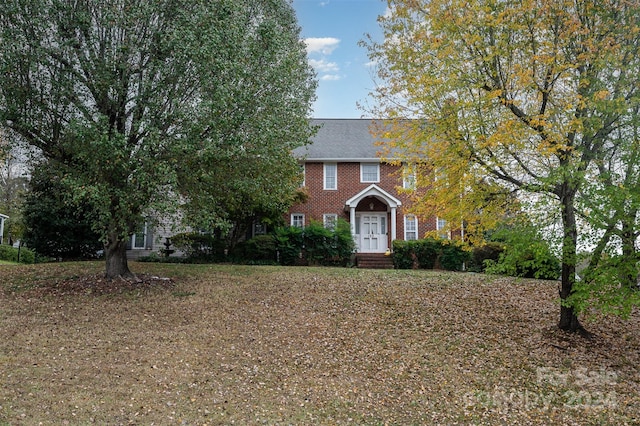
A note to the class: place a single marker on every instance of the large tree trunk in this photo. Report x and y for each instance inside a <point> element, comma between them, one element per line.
<point>568,318</point>
<point>116,258</point>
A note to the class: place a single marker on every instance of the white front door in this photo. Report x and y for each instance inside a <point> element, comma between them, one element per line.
<point>373,233</point>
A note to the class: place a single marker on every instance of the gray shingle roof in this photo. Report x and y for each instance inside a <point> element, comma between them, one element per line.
<point>340,139</point>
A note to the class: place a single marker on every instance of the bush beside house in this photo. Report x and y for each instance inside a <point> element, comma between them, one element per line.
<point>526,254</point>
<point>429,253</point>
<point>315,245</point>
<point>312,245</point>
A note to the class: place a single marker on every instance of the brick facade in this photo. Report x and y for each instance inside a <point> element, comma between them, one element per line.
<point>349,184</point>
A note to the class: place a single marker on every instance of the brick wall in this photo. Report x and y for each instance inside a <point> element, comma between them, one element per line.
<point>323,201</point>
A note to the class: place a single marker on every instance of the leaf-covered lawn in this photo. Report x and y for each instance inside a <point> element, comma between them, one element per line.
<point>273,345</point>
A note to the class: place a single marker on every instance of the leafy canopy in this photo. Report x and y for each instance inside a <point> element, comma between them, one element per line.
<point>145,105</point>
<point>519,104</point>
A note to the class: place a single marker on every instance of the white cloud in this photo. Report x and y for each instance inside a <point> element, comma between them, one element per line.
<point>323,45</point>
<point>330,77</point>
<point>322,65</point>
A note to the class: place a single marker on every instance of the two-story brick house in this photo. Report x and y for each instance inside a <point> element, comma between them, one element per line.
<point>345,178</point>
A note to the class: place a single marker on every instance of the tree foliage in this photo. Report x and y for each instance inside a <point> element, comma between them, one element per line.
<point>525,253</point>
<point>54,225</point>
<point>13,185</point>
<point>534,101</point>
<point>144,104</point>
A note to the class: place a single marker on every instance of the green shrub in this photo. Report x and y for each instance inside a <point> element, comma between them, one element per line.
<point>288,244</point>
<point>315,244</point>
<point>403,254</point>
<point>10,254</point>
<point>453,256</point>
<point>426,253</point>
<point>489,251</point>
<point>526,254</point>
<point>261,249</point>
<point>199,248</point>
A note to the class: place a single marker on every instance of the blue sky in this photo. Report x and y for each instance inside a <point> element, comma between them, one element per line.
<point>332,30</point>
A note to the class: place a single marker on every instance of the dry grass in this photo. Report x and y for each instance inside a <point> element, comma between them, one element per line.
<point>271,345</point>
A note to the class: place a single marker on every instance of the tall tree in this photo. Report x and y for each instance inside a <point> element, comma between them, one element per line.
<point>515,97</point>
<point>118,93</point>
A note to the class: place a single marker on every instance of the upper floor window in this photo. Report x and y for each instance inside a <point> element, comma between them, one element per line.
<point>408,176</point>
<point>303,171</point>
<point>297,220</point>
<point>330,176</point>
<point>410,227</point>
<point>369,172</point>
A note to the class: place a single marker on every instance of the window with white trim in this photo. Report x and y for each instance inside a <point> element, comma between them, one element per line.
<point>297,220</point>
<point>409,176</point>
<point>441,227</point>
<point>330,220</point>
<point>410,227</point>
<point>330,176</point>
<point>303,170</point>
<point>369,172</point>
<point>139,238</point>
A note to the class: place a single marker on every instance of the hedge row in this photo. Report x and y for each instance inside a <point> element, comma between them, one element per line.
<point>10,254</point>
<point>313,245</point>
<point>429,253</point>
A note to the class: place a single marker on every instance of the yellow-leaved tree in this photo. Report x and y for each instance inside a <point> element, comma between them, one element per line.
<point>533,102</point>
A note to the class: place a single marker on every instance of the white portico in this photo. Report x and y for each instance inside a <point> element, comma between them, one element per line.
<point>370,224</point>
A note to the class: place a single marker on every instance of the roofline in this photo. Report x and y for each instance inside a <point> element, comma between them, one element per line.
<point>374,190</point>
<point>342,160</point>
<point>349,160</point>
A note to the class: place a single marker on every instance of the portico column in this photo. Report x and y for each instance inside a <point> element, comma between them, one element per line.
<point>352,220</point>
<point>393,224</point>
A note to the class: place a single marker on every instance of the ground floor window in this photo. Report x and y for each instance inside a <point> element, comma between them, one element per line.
<point>259,229</point>
<point>139,238</point>
<point>297,220</point>
<point>441,226</point>
<point>330,220</point>
<point>410,227</point>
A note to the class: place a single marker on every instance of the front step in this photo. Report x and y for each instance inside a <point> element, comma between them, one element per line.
<point>374,261</point>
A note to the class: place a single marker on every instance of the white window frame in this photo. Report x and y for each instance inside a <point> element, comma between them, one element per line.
<point>362,172</point>
<point>409,176</point>
<point>325,175</point>
<point>303,170</point>
<point>144,239</point>
<point>297,217</point>
<point>441,227</point>
<point>410,218</point>
<point>330,220</point>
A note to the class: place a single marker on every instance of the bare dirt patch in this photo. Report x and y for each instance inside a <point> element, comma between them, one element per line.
<point>269,345</point>
<point>97,284</point>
